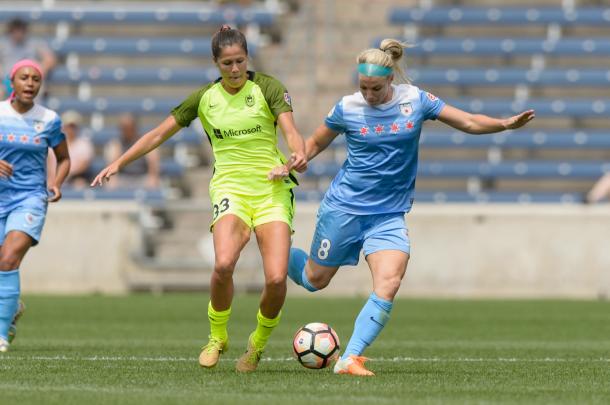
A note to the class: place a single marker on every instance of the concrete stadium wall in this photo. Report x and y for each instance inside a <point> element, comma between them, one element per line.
<point>457,251</point>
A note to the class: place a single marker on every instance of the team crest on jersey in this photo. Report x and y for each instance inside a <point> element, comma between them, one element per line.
<point>432,97</point>
<point>38,126</point>
<point>249,100</point>
<point>287,98</point>
<point>29,219</point>
<point>406,109</point>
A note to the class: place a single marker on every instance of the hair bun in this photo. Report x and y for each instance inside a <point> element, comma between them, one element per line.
<point>225,27</point>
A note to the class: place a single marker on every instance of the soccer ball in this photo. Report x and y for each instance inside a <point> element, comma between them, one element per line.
<point>316,345</point>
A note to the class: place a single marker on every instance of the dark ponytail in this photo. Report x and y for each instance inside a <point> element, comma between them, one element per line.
<point>227,36</point>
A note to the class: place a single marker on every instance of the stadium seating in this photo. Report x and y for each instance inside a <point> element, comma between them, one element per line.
<point>137,46</point>
<point>510,76</point>
<point>139,194</point>
<point>522,139</point>
<point>444,196</point>
<point>135,75</point>
<point>590,46</point>
<point>142,14</point>
<point>186,136</point>
<point>500,15</point>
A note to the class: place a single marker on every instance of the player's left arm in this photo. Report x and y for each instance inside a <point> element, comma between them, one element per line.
<point>61,172</point>
<point>295,142</point>
<point>482,124</point>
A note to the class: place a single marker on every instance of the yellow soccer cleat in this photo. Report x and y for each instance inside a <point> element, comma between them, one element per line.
<point>250,359</point>
<point>353,365</point>
<point>12,330</point>
<point>211,352</point>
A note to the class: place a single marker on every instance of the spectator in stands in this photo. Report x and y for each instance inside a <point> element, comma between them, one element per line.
<point>142,172</point>
<point>600,190</point>
<point>239,112</point>
<point>81,151</point>
<point>17,46</point>
<point>365,205</point>
<point>27,130</point>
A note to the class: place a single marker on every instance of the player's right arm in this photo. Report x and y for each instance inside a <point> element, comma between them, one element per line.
<point>149,141</point>
<point>321,138</point>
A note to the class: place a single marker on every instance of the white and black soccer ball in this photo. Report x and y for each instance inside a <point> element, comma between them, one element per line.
<point>316,345</point>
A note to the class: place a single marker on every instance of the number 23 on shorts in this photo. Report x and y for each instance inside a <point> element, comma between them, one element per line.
<point>221,207</point>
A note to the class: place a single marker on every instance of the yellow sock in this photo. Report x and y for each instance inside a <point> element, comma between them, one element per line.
<point>218,322</point>
<point>263,329</point>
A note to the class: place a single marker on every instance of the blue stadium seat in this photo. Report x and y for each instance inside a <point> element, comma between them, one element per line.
<point>104,193</point>
<point>186,135</point>
<point>142,14</point>
<point>135,75</point>
<point>194,46</point>
<point>452,196</point>
<point>439,15</point>
<point>521,139</point>
<point>574,169</point>
<point>590,46</point>
<point>575,108</point>
<point>509,76</point>
<point>169,167</point>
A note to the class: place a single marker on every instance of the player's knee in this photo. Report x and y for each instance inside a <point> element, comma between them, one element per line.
<point>392,285</point>
<point>319,280</point>
<point>275,282</point>
<point>224,266</point>
<point>9,262</point>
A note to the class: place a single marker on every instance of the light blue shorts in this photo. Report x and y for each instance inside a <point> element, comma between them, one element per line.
<point>28,218</point>
<point>339,237</point>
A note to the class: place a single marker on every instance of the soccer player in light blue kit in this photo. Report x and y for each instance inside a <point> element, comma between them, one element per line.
<point>27,131</point>
<point>365,205</point>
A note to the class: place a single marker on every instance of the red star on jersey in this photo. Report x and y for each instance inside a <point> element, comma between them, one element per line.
<point>24,139</point>
<point>364,130</point>
<point>37,140</point>
<point>409,125</point>
<point>395,128</point>
<point>378,129</point>
<point>10,138</point>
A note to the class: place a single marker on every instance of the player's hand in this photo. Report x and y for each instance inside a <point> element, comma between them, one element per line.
<point>56,194</point>
<point>517,121</point>
<point>297,161</point>
<point>6,169</point>
<point>278,173</point>
<point>105,175</point>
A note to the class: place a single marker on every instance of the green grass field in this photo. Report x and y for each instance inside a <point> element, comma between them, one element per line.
<point>143,349</point>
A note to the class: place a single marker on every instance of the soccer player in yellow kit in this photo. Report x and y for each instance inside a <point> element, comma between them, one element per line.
<point>251,188</point>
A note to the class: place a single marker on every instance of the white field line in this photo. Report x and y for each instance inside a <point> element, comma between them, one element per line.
<point>285,359</point>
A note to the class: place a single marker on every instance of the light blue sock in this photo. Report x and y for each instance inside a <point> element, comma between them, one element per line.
<point>371,320</point>
<point>9,299</point>
<point>296,269</point>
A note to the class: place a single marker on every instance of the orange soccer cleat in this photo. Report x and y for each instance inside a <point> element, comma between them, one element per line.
<point>353,365</point>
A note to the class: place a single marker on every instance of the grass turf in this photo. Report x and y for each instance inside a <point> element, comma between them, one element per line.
<point>143,349</point>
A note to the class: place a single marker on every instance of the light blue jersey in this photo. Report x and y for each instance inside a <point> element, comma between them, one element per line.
<point>24,142</point>
<point>378,176</point>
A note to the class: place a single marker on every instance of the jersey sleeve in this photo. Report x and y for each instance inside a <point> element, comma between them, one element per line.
<point>55,134</point>
<point>275,93</point>
<point>334,119</point>
<point>431,105</point>
<point>186,112</point>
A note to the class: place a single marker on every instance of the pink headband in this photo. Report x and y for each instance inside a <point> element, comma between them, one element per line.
<point>25,63</point>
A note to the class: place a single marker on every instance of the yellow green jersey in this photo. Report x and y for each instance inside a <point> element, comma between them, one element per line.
<point>242,131</point>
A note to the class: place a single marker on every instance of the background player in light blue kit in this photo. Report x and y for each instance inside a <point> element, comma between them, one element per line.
<point>364,207</point>
<point>27,130</point>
